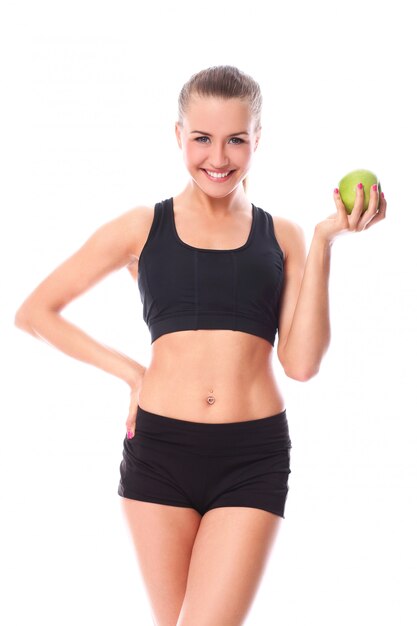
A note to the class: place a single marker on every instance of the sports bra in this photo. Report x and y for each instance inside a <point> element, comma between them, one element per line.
<point>187,288</point>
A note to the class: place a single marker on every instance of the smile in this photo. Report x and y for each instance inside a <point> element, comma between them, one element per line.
<point>218,177</point>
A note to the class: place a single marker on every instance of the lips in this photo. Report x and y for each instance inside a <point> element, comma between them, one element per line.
<point>219,178</point>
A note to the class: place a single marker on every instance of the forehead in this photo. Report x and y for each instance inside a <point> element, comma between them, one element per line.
<point>207,112</point>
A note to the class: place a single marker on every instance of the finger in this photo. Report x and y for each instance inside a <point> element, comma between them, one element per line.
<point>341,209</point>
<point>381,214</point>
<point>130,430</point>
<point>372,210</point>
<point>358,206</point>
<point>382,203</point>
<point>373,200</point>
<point>131,422</point>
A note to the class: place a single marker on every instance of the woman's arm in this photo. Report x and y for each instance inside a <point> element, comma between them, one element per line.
<point>110,248</point>
<point>58,332</point>
<point>304,316</point>
<point>308,337</point>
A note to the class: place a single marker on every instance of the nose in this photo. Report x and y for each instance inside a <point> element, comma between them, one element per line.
<point>218,157</point>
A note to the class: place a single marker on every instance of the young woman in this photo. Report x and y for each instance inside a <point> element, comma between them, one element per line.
<point>206,457</point>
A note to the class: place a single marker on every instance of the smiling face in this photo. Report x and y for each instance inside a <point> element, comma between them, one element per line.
<point>217,137</point>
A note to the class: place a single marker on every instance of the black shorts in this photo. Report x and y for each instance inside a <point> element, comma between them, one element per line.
<point>204,466</point>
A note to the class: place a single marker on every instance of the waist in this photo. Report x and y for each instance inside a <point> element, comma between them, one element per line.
<point>253,436</point>
<point>234,369</point>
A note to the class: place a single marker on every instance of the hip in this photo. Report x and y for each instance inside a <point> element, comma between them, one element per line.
<point>269,434</point>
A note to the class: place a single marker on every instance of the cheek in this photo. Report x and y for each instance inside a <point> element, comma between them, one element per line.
<point>246,152</point>
<point>193,153</point>
<point>242,156</point>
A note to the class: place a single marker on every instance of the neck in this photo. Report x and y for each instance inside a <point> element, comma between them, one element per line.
<point>193,196</point>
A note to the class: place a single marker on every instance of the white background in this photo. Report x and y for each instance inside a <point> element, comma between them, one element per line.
<point>87,123</point>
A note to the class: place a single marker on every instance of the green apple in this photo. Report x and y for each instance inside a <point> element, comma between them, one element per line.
<point>347,188</point>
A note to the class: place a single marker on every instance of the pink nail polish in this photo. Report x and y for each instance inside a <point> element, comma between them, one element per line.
<point>360,186</point>
<point>129,434</point>
<point>336,190</point>
<point>382,194</point>
<point>374,187</point>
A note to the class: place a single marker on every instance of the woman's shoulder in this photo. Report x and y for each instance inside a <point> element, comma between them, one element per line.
<point>136,223</point>
<point>289,233</point>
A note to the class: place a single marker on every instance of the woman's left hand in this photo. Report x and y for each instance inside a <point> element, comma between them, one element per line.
<point>341,222</point>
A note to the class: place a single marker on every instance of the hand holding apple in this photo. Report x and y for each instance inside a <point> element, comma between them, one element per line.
<point>364,207</point>
<point>347,188</point>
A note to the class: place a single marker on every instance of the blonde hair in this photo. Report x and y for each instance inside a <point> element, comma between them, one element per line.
<point>223,81</point>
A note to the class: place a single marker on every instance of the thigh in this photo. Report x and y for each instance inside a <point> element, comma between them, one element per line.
<point>163,537</point>
<point>230,553</point>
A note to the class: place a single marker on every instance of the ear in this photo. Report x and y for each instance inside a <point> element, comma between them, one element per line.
<point>178,134</point>
<point>258,137</point>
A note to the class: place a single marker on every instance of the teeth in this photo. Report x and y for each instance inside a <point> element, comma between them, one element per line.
<point>217,175</point>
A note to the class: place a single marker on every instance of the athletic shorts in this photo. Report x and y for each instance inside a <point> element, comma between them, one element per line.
<point>205,466</point>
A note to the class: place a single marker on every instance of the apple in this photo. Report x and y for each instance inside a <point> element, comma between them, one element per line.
<point>347,188</point>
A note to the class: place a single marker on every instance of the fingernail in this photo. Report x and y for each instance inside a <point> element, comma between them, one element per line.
<point>336,190</point>
<point>374,187</point>
<point>382,194</point>
<point>129,434</point>
<point>360,185</point>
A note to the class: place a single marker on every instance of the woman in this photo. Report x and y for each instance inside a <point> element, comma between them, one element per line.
<point>204,474</point>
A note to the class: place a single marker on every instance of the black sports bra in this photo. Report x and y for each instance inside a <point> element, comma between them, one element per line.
<point>187,288</point>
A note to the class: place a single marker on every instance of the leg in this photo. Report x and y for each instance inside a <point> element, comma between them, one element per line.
<point>228,560</point>
<point>163,536</point>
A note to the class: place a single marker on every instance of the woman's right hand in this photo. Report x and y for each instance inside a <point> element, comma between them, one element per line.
<point>134,402</point>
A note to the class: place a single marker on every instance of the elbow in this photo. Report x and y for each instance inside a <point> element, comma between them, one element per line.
<point>20,320</point>
<point>301,372</point>
<point>301,375</point>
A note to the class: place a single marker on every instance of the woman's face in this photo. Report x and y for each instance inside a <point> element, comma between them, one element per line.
<point>217,136</point>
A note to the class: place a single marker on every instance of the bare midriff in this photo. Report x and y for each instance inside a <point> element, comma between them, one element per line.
<point>211,376</point>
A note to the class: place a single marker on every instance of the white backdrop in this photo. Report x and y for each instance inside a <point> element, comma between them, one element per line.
<point>88,110</point>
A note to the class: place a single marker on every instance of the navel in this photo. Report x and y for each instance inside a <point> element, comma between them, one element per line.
<point>210,398</point>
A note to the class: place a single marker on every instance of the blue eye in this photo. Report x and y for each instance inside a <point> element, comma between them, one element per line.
<point>205,137</point>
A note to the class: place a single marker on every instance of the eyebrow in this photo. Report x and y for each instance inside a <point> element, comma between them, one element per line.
<point>243,132</point>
